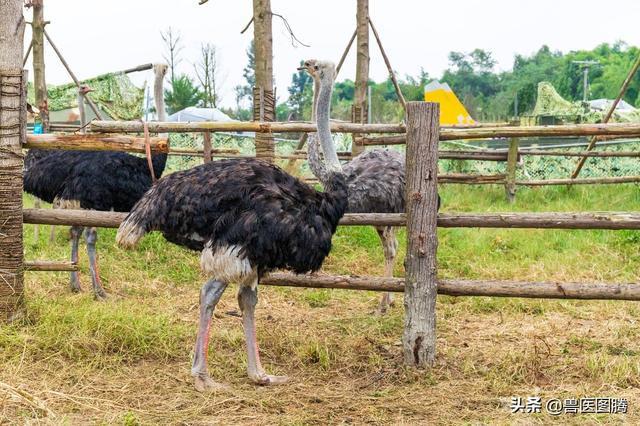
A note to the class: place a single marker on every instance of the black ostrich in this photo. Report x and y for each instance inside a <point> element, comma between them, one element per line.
<point>247,217</point>
<point>376,182</point>
<point>93,180</point>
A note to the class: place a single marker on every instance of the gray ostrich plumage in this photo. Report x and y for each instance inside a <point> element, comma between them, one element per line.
<point>376,183</point>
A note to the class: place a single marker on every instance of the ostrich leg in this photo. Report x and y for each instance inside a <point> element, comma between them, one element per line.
<point>75,232</point>
<point>209,295</point>
<point>389,241</point>
<point>91,235</point>
<point>247,299</point>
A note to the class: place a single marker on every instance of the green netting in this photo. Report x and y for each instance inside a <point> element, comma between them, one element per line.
<point>113,93</point>
<point>551,104</point>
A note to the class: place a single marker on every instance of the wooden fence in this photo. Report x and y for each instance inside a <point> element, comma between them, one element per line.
<point>421,285</point>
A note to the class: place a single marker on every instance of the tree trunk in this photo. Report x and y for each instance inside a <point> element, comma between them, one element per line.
<point>419,338</point>
<point>39,80</point>
<point>264,102</point>
<point>12,131</point>
<point>359,112</point>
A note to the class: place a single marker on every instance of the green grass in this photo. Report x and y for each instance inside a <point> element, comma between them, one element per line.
<point>126,361</point>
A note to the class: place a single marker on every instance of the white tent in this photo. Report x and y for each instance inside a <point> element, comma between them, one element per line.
<point>200,114</point>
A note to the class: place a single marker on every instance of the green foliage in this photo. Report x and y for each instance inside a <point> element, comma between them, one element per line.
<point>300,96</point>
<point>491,95</point>
<point>183,93</point>
<point>249,74</point>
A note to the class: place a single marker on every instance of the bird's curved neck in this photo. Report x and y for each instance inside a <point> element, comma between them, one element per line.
<point>324,131</point>
<point>159,162</point>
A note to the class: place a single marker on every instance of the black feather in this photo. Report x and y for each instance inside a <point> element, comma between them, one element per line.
<point>278,221</point>
<point>98,180</point>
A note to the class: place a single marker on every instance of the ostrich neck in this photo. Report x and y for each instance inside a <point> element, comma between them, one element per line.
<point>324,129</point>
<point>314,105</point>
<point>159,162</point>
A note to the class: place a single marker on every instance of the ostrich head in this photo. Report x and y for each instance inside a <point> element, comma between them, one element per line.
<point>323,74</point>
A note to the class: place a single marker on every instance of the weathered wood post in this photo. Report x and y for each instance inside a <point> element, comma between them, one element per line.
<point>263,96</point>
<point>39,80</point>
<point>512,162</point>
<point>359,112</point>
<point>12,133</point>
<point>423,132</point>
<point>206,147</point>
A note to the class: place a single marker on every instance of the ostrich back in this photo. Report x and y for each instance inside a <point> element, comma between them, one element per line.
<point>98,180</point>
<point>275,219</point>
<point>376,180</point>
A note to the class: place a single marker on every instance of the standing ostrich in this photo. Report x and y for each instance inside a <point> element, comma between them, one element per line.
<point>375,182</point>
<point>247,217</point>
<point>95,180</point>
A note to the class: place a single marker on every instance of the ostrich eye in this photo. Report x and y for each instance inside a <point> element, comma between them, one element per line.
<point>316,68</point>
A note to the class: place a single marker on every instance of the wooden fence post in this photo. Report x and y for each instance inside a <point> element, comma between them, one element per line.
<point>359,112</point>
<point>512,162</point>
<point>206,147</point>
<point>423,131</point>
<point>13,82</point>
<point>39,81</point>
<point>263,94</point>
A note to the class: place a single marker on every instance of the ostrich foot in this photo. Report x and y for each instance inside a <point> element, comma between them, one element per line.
<point>264,379</point>
<point>204,383</point>
<point>75,283</point>
<point>100,295</point>
<point>385,303</point>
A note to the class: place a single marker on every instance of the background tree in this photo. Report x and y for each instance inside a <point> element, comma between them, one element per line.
<point>249,73</point>
<point>207,72</point>
<point>173,47</point>
<point>183,94</point>
<point>300,97</point>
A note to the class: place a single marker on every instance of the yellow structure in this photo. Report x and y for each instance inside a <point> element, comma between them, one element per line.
<point>451,109</point>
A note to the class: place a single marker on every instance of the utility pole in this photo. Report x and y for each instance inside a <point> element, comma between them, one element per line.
<point>585,78</point>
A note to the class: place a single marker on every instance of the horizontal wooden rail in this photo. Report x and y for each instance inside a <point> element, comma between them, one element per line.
<point>239,126</point>
<point>618,129</point>
<point>95,142</point>
<point>472,179</point>
<point>49,265</point>
<point>472,155</point>
<point>200,152</point>
<point>545,290</point>
<point>559,220</point>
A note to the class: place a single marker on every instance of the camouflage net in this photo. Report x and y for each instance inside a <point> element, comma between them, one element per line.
<point>552,167</point>
<point>115,94</point>
<point>551,105</point>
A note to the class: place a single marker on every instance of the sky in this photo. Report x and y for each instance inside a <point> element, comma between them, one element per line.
<point>96,37</point>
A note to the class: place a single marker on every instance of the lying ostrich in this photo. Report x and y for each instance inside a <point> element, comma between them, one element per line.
<point>95,180</point>
<point>375,182</point>
<point>248,217</point>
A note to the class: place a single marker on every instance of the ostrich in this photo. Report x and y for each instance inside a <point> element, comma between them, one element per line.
<point>96,180</point>
<point>247,217</point>
<point>375,182</point>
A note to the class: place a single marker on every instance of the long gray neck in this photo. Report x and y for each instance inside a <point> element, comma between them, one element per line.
<point>324,126</point>
<point>314,105</point>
